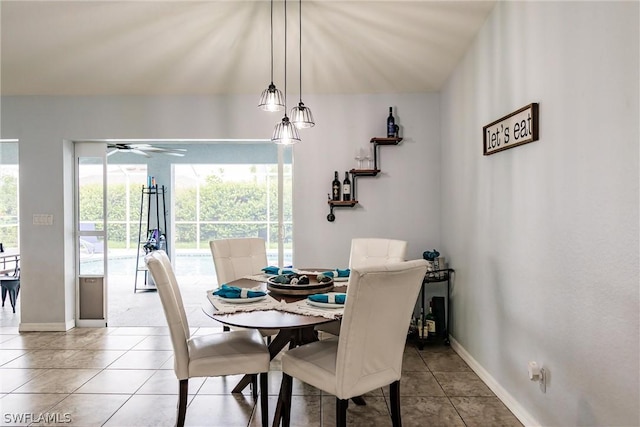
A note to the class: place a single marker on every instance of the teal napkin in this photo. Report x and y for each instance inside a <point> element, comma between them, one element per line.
<point>227,291</point>
<point>337,273</point>
<point>277,270</point>
<point>328,298</point>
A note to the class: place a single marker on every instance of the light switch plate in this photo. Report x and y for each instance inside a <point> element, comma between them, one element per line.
<point>42,219</point>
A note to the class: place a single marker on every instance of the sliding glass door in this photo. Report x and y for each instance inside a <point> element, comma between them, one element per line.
<point>243,198</point>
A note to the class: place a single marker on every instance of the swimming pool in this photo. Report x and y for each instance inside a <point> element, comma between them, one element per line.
<point>186,263</point>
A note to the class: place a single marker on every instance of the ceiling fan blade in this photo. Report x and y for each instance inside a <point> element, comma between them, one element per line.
<point>144,149</point>
<point>140,152</point>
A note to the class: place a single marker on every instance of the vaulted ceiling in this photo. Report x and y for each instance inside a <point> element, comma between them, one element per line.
<point>87,47</point>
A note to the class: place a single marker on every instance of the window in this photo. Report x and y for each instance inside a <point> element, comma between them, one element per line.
<point>9,193</point>
<point>219,201</point>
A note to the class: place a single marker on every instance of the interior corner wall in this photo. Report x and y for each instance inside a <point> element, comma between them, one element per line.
<point>401,202</point>
<point>544,236</point>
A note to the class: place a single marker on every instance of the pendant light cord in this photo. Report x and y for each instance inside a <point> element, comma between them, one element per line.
<point>300,46</point>
<point>285,58</point>
<point>271,41</point>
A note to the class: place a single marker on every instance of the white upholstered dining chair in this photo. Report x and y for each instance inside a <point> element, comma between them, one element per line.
<point>367,252</point>
<point>236,258</point>
<point>368,352</point>
<point>228,353</point>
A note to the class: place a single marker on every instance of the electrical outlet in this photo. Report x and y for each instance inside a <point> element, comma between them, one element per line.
<point>538,373</point>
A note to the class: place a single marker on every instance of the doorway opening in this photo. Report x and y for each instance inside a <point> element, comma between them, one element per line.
<point>215,190</point>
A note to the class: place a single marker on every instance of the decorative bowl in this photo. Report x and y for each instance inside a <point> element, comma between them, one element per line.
<point>312,288</point>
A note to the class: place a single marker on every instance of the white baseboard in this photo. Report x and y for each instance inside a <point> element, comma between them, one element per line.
<point>514,406</point>
<point>45,327</point>
<point>91,323</point>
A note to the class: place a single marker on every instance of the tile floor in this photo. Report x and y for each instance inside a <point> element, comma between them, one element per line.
<point>122,376</point>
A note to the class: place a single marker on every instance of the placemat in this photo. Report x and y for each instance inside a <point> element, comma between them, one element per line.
<point>270,303</point>
<point>262,277</point>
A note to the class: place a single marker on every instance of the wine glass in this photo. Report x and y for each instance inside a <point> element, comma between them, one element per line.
<point>359,156</point>
<point>369,157</point>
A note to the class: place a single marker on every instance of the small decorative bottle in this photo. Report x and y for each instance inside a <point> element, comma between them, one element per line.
<point>391,124</point>
<point>430,322</point>
<point>335,187</point>
<point>346,188</point>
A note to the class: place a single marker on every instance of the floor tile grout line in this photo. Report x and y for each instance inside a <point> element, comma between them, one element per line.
<point>116,411</point>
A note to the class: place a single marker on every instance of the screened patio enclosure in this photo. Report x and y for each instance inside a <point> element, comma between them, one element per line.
<point>217,190</point>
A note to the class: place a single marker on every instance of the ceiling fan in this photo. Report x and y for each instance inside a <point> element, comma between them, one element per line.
<point>144,149</point>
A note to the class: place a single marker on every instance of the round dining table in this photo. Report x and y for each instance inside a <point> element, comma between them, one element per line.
<point>293,329</point>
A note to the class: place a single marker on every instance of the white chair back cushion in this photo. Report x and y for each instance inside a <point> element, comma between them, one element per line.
<point>366,252</point>
<point>162,272</point>
<point>235,258</point>
<point>374,327</point>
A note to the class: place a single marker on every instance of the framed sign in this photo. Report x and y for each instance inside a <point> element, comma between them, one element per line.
<point>517,128</point>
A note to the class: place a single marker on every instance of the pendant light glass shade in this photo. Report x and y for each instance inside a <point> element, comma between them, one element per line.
<point>271,99</point>
<point>285,133</point>
<point>301,116</point>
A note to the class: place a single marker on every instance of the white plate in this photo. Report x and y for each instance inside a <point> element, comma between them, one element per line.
<point>324,304</point>
<point>242,300</point>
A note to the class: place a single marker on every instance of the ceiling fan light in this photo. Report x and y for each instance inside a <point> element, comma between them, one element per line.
<point>285,133</point>
<point>271,99</point>
<point>301,116</point>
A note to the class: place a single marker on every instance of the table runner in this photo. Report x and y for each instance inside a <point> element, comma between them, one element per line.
<point>261,277</point>
<point>270,303</point>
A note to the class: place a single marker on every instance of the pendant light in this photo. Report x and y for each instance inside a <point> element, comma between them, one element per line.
<point>285,132</point>
<point>301,115</point>
<point>271,98</point>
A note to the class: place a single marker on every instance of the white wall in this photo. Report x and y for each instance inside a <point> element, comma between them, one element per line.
<point>402,202</point>
<point>544,237</point>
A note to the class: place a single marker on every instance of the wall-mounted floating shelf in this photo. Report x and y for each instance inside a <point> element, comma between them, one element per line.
<point>355,173</point>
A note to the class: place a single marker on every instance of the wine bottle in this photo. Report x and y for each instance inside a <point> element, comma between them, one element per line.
<point>335,187</point>
<point>346,188</point>
<point>391,124</point>
<point>430,322</point>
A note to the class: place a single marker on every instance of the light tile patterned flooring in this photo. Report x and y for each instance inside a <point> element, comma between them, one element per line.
<point>122,376</point>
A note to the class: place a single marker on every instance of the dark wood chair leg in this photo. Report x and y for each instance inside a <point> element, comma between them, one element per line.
<point>394,395</point>
<point>182,402</point>
<point>341,412</point>
<point>264,398</point>
<point>254,386</point>
<point>287,388</point>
